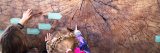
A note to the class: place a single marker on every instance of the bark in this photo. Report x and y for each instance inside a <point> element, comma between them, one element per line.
<point>109,26</point>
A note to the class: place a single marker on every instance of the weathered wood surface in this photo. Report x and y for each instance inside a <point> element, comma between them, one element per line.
<point>109,26</point>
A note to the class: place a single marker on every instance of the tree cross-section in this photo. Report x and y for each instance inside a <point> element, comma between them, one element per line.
<point>109,26</point>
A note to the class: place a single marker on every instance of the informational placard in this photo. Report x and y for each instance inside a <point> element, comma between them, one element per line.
<point>56,16</point>
<point>1,31</point>
<point>14,20</point>
<point>44,26</point>
<point>157,38</point>
<point>33,31</point>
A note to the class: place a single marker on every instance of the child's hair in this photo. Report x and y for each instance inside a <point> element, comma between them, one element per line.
<point>63,39</point>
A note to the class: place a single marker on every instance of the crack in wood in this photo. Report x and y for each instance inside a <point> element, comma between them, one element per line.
<point>107,25</point>
<point>77,9</point>
<point>158,2</point>
<point>81,4</point>
<point>109,3</point>
<point>74,14</point>
<point>99,13</point>
<point>105,20</point>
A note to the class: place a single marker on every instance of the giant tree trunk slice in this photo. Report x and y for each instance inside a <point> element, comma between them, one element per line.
<point>109,26</point>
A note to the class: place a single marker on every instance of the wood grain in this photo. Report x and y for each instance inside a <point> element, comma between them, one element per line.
<point>109,26</point>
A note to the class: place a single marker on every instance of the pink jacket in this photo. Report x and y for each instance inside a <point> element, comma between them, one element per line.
<point>77,50</point>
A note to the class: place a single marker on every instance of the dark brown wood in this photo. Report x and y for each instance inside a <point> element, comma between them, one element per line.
<point>109,26</point>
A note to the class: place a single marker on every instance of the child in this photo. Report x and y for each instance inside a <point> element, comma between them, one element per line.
<point>63,41</point>
<point>82,47</point>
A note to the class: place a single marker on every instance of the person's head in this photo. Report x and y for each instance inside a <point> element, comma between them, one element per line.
<point>13,42</point>
<point>63,40</point>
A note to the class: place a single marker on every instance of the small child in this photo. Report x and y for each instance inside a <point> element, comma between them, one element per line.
<point>82,43</point>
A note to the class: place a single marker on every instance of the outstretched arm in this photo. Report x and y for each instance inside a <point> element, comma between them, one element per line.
<point>48,37</point>
<point>26,16</point>
<point>11,29</point>
<point>13,39</point>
